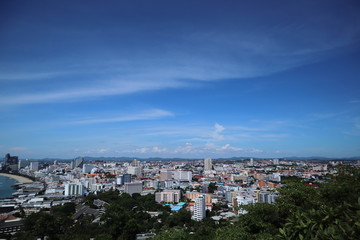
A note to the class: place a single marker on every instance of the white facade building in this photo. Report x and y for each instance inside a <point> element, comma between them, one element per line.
<point>199,209</point>
<point>168,196</point>
<point>96,187</point>
<point>34,166</point>
<point>87,168</point>
<point>74,189</point>
<point>182,175</point>
<point>251,163</point>
<point>134,171</point>
<point>207,164</point>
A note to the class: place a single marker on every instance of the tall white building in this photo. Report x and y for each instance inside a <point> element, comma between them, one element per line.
<point>23,163</point>
<point>77,163</point>
<point>74,189</point>
<point>207,164</point>
<point>34,166</point>
<point>182,175</point>
<point>87,168</point>
<point>134,171</point>
<point>199,209</point>
<point>251,162</point>
<point>268,197</point>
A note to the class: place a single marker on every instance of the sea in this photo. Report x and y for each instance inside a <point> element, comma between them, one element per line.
<point>6,188</point>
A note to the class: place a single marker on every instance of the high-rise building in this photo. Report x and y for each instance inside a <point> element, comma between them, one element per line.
<point>268,197</point>
<point>207,164</point>
<point>127,178</point>
<point>166,184</point>
<point>87,168</point>
<point>74,189</point>
<point>199,209</point>
<point>135,187</point>
<point>11,163</point>
<point>251,163</point>
<point>122,179</point>
<point>134,171</point>
<point>183,175</point>
<point>34,166</point>
<point>23,164</point>
<point>165,175</point>
<point>276,161</point>
<point>77,163</point>
<point>168,196</point>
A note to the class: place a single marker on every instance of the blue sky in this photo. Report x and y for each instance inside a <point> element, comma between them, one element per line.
<point>179,78</point>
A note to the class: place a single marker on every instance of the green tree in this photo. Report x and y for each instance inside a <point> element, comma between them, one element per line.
<point>173,234</point>
<point>212,187</point>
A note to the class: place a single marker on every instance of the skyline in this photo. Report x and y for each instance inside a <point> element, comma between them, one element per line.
<point>179,79</point>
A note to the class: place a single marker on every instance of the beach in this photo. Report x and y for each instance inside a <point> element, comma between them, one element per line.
<point>20,179</point>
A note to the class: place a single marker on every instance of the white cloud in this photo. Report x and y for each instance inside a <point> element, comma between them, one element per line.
<point>229,147</point>
<point>103,150</point>
<point>147,150</point>
<point>255,150</point>
<point>185,149</point>
<point>217,132</point>
<point>84,93</point>
<point>199,53</point>
<point>158,150</point>
<point>139,150</point>
<point>190,150</point>
<point>144,115</point>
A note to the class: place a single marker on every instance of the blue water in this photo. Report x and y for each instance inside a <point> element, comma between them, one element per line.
<point>6,186</point>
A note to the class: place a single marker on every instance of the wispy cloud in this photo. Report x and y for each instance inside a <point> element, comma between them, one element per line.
<point>198,53</point>
<point>189,149</point>
<point>322,116</point>
<point>148,150</point>
<point>262,131</point>
<point>145,115</point>
<point>193,61</point>
<point>117,88</point>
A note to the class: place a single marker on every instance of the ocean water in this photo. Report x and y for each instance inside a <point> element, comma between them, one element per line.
<point>6,188</point>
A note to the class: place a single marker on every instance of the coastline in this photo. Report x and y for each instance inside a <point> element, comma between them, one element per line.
<point>20,179</point>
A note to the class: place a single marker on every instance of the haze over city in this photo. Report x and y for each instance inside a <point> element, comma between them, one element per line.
<point>179,79</point>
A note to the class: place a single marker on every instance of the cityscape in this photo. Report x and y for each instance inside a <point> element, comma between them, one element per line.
<point>218,190</point>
